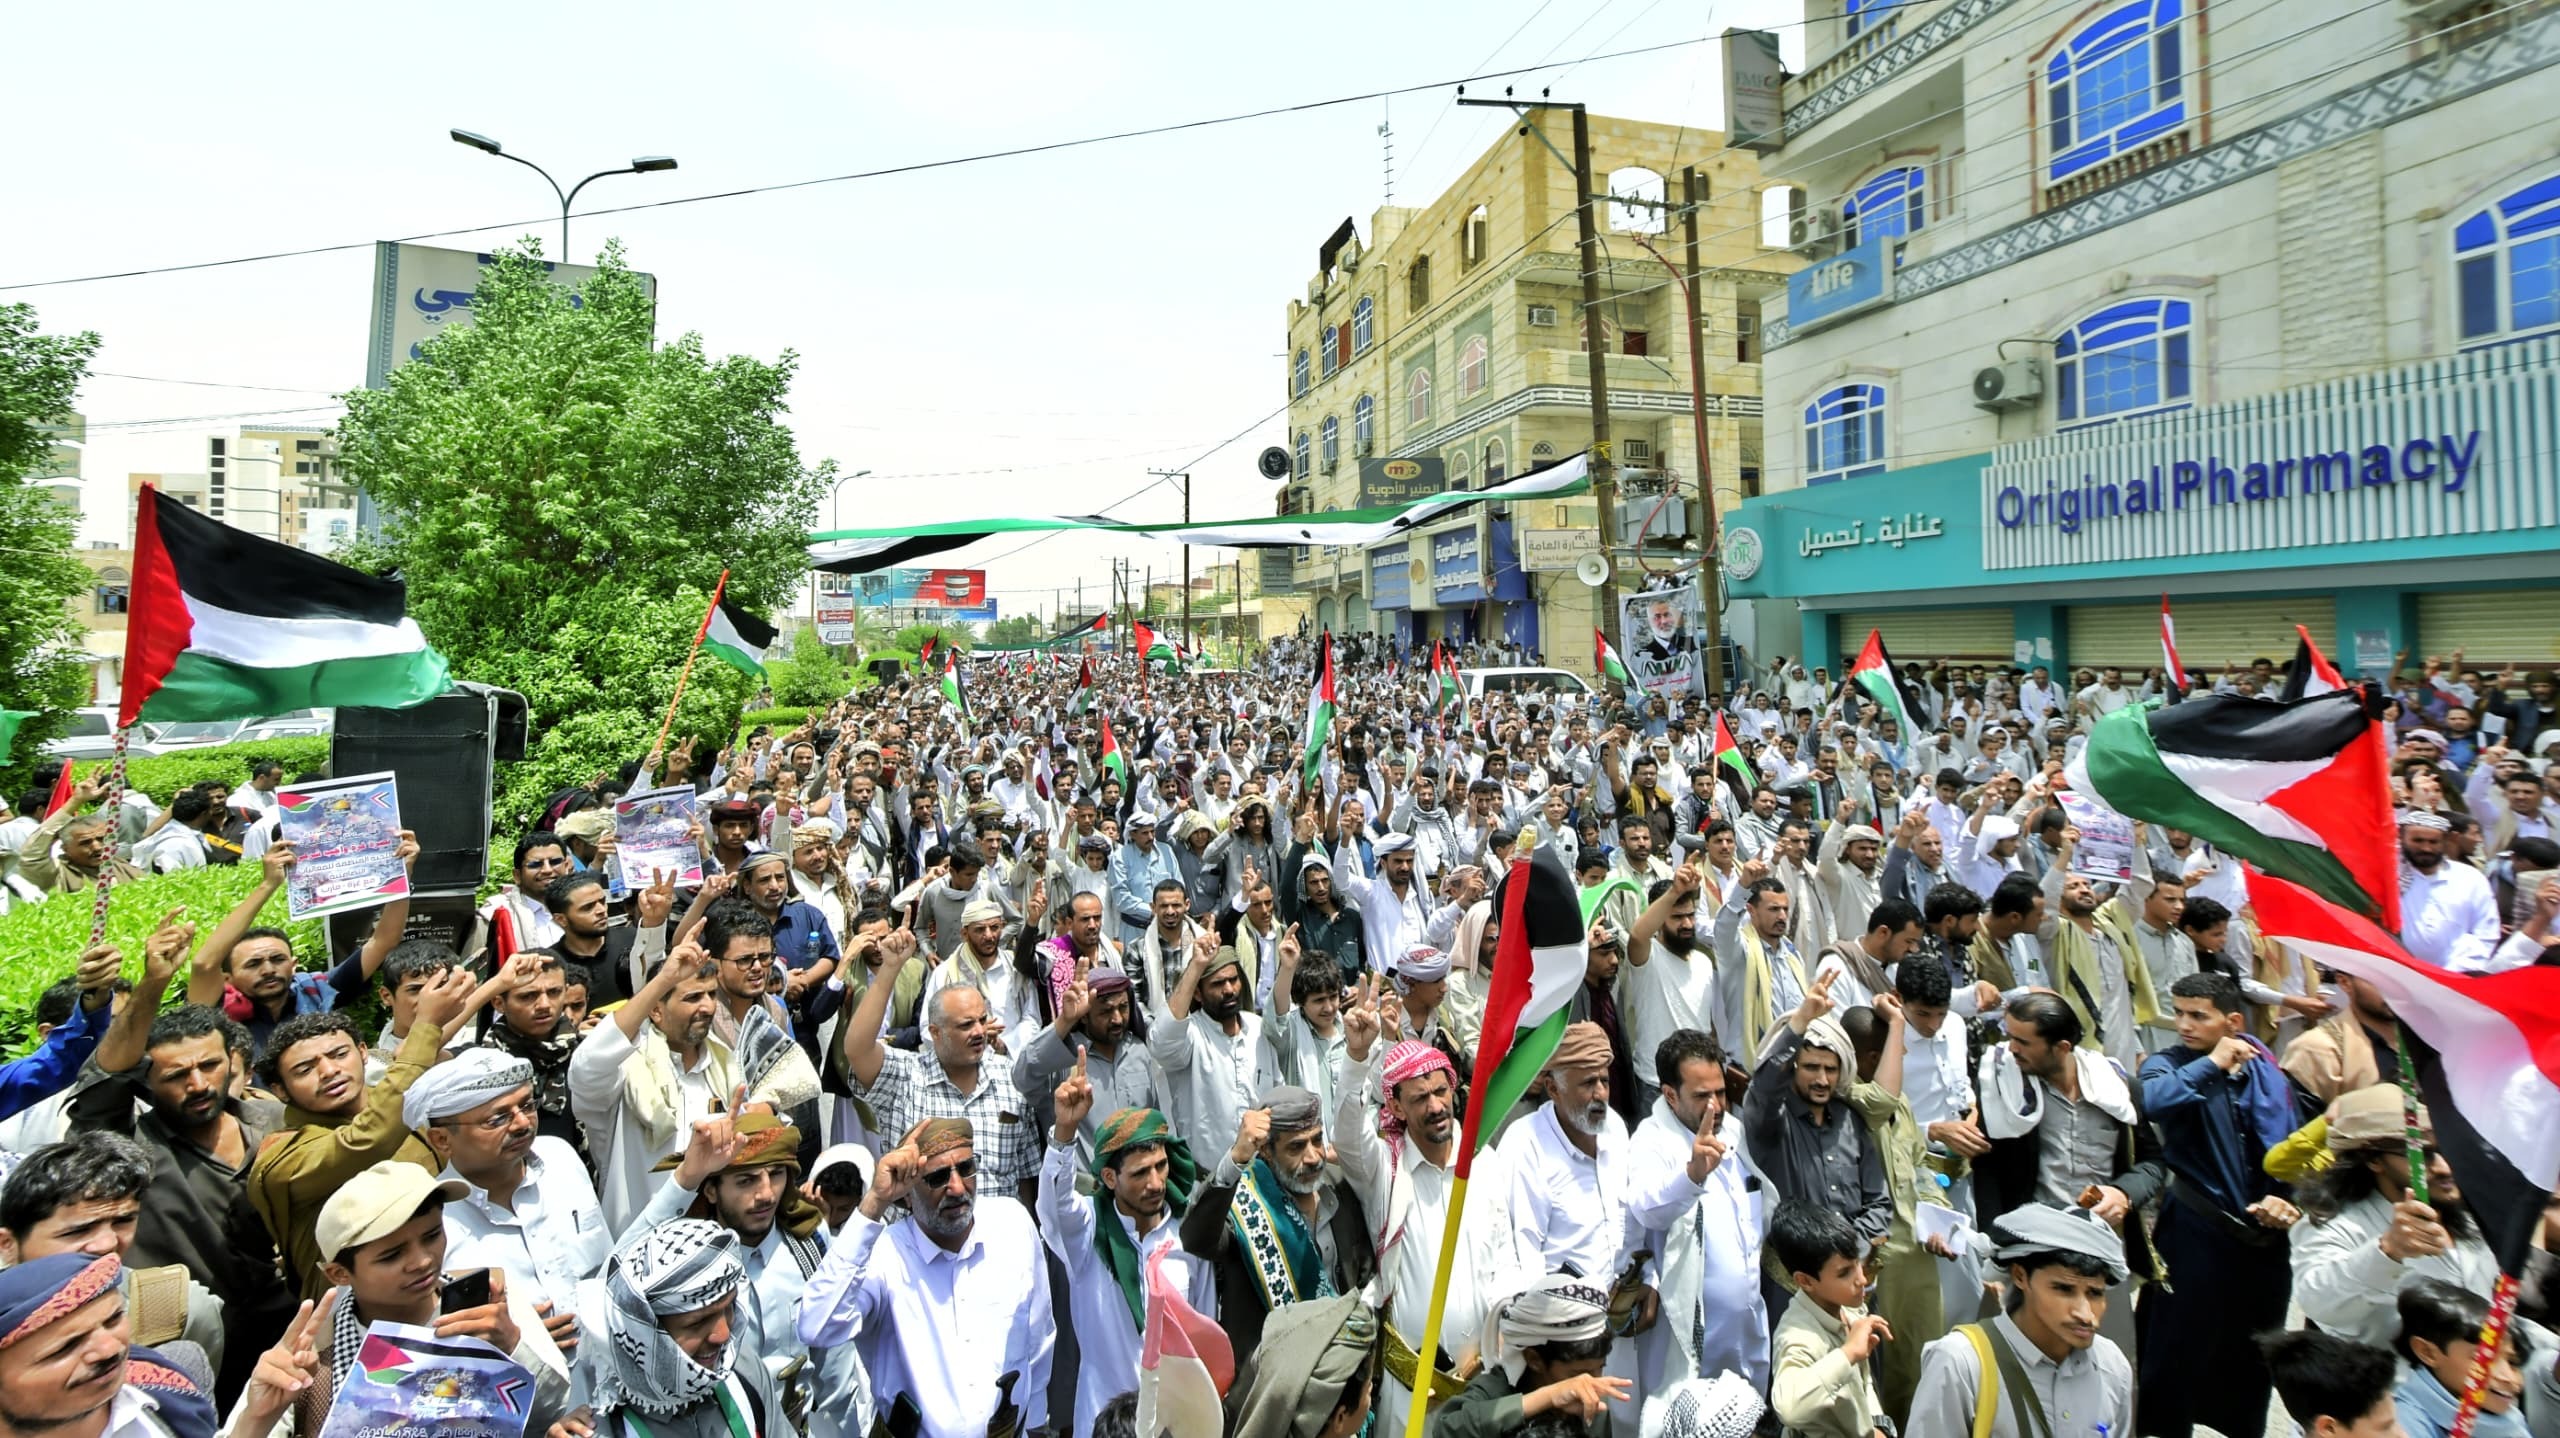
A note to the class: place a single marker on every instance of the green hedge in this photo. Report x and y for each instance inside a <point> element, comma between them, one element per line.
<point>42,942</point>
<point>162,776</point>
<point>783,718</point>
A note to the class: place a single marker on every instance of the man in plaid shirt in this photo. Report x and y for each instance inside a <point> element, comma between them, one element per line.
<point>956,1076</point>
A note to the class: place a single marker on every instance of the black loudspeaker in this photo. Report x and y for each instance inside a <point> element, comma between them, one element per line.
<point>884,670</point>
<point>445,753</point>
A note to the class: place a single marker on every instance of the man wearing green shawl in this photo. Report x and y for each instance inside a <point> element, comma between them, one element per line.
<point>1266,1214</point>
<point>1141,1175</point>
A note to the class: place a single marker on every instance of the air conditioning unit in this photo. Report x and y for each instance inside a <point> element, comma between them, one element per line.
<point>2008,385</point>
<point>1315,290</point>
<point>1815,233</point>
<point>1632,452</point>
<point>1349,259</point>
<point>1543,316</point>
<point>1366,449</point>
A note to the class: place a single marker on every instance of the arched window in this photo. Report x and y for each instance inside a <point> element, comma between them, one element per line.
<point>2130,358</point>
<point>2506,265</point>
<point>1298,374</point>
<point>1844,433</point>
<point>1893,203</point>
<point>1472,366</point>
<point>1331,339</point>
<point>1300,449</point>
<point>1332,442</point>
<point>1364,324</point>
<point>1497,462</point>
<point>2113,86</point>
<point>1364,422</point>
<point>1475,238</point>
<point>1417,284</point>
<point>1637,183</point>
<point>1417,398</point>
<point>115,590</point>
<point>1542,450</point>
<point>1460,469</point>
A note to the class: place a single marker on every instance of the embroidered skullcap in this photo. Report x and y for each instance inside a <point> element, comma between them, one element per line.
<point>462,1083</point>
<point>761,858</point>
<point>2043,1228</point>
<point>937,1136</point>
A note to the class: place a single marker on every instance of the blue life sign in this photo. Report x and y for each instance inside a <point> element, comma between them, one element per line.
<point>1457,566</point>
<point>1853,280</point>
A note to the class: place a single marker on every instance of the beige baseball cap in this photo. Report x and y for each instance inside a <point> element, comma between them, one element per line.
<point>375,1202</point>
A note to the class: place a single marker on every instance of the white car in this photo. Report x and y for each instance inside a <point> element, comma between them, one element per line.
<point>296,724</point>
<point>92,735</point>
<point>1568,687</point>
<point>196,734</point>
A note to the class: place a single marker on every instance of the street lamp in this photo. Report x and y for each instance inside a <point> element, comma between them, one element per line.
<point>835,498</point>
<point>643,165</point>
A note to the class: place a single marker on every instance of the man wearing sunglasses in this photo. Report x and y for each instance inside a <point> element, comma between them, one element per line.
<point>2367,1236</point>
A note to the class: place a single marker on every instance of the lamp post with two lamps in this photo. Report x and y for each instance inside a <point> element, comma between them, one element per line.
<point>642,165</point>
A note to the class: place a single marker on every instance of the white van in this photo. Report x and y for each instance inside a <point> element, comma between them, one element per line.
<point>1561,683</point>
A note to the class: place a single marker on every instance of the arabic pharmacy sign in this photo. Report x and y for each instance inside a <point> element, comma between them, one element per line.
<point>420,292</point>
<point>1891,530</point>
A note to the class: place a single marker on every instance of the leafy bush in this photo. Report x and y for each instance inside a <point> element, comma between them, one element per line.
<point>42,942</point>
<point>162,776</point>
<point>782,718</point>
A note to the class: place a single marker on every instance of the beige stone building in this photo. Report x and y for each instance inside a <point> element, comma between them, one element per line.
<point>1451,334</point>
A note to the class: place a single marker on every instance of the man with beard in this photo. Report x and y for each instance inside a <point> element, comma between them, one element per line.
<point>620,957</point>
<point>957,1074</point>
<point>2094,959</point>
<point>1867,961</point>
<point>528,1206</point>
<point>1211,1050</point>
<point>1639,865</point>
<point>2368,1236</point>
<point>803,942</point>
<point>1950,917</point>
<point>1789,861</point>
<point>1849,870</point>
<point>1158,952</point>
<point>2059,1263</point>
<point>1012,1007</point>
<point>1759,976</point>
<point>1311,904</point>
<point>1092,1028</point>
<point>1669,983</point>
<point>1595,1002</point>
<point>1695,1198</point>
<point>1082,943</point>
<point>1804,1139</point>
<point>1396,908</point>
<point>1271,1225</point>
<point>666,1364</point>
<point>2448,916</point>
<point>896,1287</point>
<point>1142,1175</point>
<point>526,1024</point>
<point>518,908</point>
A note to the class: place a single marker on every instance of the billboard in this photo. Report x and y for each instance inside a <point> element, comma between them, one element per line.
<point>419,292</point>
<point>1755,77</point>
<point>927,589</point>
<point>1394,481</point>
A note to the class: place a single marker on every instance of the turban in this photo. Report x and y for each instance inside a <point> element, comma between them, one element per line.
<point>763,1141</point>
<point>1560,1308</point>
<point>1127,1129</point>
<point>50,1288</point>
<point>759,859</point>
<point>937,1136</point>
<point>1863,831</point>
<point>1293,1109</point>
<point>1826,1033</point>
<point>820,835</point>
<point>1462,949</point>
<point>2425,819</point>
<point>2022,1233</point>
<point>1584,1046</point>
<point>676,1268</point>
<point>462,1083</point>
<point>1996,827</point>
<point>1226,958</point>
<point>1391,844</point>
<point>1421,964</point>
<point>981,909</point>
<point>1725,1406</point>
<point>587,825</point>
<point>1405,1060</point>
<point>1105,979</point>
<point>1311,1357</point>
<point>2371,1117</point>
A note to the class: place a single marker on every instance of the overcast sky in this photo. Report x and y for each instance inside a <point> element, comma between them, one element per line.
<point>1052,325</point>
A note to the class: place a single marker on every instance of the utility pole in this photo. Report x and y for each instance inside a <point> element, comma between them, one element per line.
<point>1185,477</point>
<point>1710,564</point>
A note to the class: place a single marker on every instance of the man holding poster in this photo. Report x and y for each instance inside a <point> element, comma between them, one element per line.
<point>1654,632</point>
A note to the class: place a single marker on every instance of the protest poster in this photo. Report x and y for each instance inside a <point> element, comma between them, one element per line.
<point>651,831</point>
<point>1657,638</point>
<point>410,1382</point>
<point>2106,838</point>
<point>345,835</point>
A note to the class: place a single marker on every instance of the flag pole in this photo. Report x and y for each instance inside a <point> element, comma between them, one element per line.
<point>1426,1355</point>
<point>2493,1337</point>
<point>686,672</point>
<point>114,800</point>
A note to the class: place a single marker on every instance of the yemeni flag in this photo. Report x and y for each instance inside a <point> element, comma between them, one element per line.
<point>1319,715</point>
<point>1731,767</point>
<point>2485,1049</point>
<point>951,690</point>
<point>1186,1363</point>
<point>1082,703</point>
<point>1444,678</point>
<point>2312,673</point>
<point>2299,789</point>
<point>1874,678</point>
<point>1114,762</point>
<point>226,625</point>
<point>2174,674</point>
<point>1537,965</point>
<point>734,637</point>
<point>1606,661</point>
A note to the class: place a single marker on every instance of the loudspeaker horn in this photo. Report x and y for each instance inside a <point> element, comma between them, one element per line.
<point>1592,569</point>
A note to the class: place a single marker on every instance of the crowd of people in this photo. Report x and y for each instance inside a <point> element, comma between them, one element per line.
<point>974,1042</point>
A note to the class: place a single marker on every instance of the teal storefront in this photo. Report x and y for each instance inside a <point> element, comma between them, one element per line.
<point>2412,510</point>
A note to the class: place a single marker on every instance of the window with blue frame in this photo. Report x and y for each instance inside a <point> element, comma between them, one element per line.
<point>2114,86</point>
<point>1298,374</point>
<point>1364,327</point>
<point>1844,433</point>
<point>1364,421</point>
<point>1332,335</point>
<point>2133,357</point>
<point>1893,203</point>
<point>2506,265</point>
<point>1332,441</point>
<point>1863,15</point>
<point>1301,447</point>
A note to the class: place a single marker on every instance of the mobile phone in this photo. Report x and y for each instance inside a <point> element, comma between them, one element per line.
<point>465,1290</point>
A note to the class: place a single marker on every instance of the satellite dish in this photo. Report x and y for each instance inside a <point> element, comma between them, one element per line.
<point>1592,569</point>
<point>1274,463</point>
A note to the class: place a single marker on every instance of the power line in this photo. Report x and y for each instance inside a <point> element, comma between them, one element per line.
<point>209,383</point>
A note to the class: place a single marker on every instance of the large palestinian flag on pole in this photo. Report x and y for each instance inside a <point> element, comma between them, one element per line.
<point>226,625</point>
<point>1445,693</point>
<point>2299,790</point>
<point>1319,716</point>
<point>1083,698</point>
<point>735,637</point>
<point>1874,679</point>
<point>951,690</point>
<point>1606,663</point>
<point>1731,767</point>
<point>1538,964</point>
<point>1114,762</point>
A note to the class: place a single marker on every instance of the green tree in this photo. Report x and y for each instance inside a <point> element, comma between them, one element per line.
<point>810,674</point>
<point>911,639</point>
<point>561,492</point>
<point>40,644</point>
<point>1016,629</point>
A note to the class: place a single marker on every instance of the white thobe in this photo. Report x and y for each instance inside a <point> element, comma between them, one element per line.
<point>551,1237</point>
<point>1714,1318</point>
<point>1665,993</point>
<point>1210,1076</point>
<point>2449,918</point>
<point>1108,1339</point>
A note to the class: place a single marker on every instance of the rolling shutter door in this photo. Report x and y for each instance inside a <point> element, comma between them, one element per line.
<point>1984,635</point>
<point>2506,628</point>
<point>2211,633</point>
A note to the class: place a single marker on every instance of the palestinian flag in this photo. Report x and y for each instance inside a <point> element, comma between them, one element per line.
<point>225,625</point>
<point>1186,1363</point>
<point>2485,1049</point>
<point>1114,763</point>
<point>2299,790</point>
<point>2312,674</point>
<point>2173,674</point>
<point>924,656</point>
<point>10,719</point>
<point>1150,645</point>
<point>1538,963</point>
<point>1082,703</point>
<point>62,786</point>
<point>1731,767</point>
<point>734,637</point>
<point>1319,716</point>
<point>1875,679</point>
<point>951,690</point>
<point>1444,679</point>
<point>1607,663</point>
